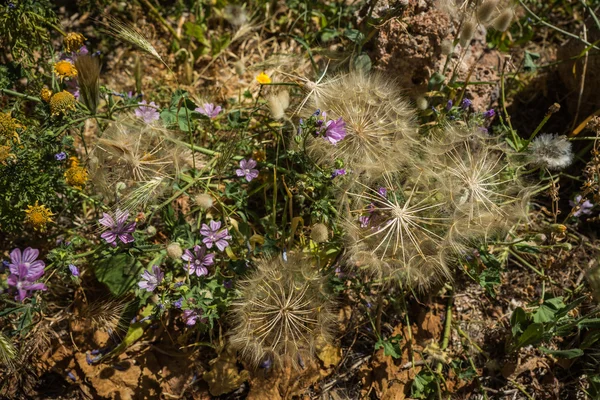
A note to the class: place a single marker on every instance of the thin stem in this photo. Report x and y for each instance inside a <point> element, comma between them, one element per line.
<point>447,326</point>
<point>17,94</point>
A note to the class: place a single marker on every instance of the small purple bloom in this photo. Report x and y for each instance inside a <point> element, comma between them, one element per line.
<point>364,221</point>
<point>449,105</point>
<point>147,112</point>
<point>74,270</point>
<point>119,229</point>
<point>25,269</point>
<point>214,236</point>
<point>209,109</point>
<point>335,130</point>
<point>466,103</point>
<point>178,303</point>
<point>489,113</point>
<point>228,284</point>
<point>83,50</point>
<point>60,156</point>
<point>192,316</point>
<point>247,169</point>
<point>198,260</point>
<point>584,208</point>
<point>339,273</point>
<point>317,113</point>
<point>338,172</point>
<point>382,192</point>
<point>151,280</point>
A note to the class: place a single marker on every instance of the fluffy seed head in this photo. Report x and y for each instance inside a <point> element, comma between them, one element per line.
<point>73,41</point>
<point>61,103</point>
<point>551,151</point>
<point>502,22</point>
<point>283,311</point>
<point>88,79</point>
<point>486,10</point>
<point>203,200</point>
<point>379,123</point>
<point>174,251</point>
<point>447,47</point>
<point>278,103</point>
<point>467,31</point>
<point>319,233</point>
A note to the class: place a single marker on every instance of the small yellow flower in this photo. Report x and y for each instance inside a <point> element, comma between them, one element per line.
<point>263,78</point>
<point>38,216</point>
<point>5,154</point>
<point>8,127</point>
<point>75,175</point>
<point>62,102</point>
<point>65,69</point>
<point>73,41</point>
<point>45,94</point>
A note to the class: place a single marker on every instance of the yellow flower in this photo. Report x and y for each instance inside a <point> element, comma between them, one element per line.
<point>263,78</point>
<point>45,94</point>
<point>8,126</point>
<point>75,175</point>
<point>62,102</point>
<point>5,154</point>
<point>73,41</point>
<point>38,216</point>
<point>65,69</point>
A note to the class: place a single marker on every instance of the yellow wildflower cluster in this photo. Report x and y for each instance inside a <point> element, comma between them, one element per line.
<point>45,94</point>
<point>65,69</point>
<point>8,127</point>
<point>38,216</point>
<point>76,175</point>
<point>62,102</point>
<point>73,41</point>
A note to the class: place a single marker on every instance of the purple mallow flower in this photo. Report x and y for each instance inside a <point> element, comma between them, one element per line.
<point>247,169</point>
<point>146,113</point>
<point>198,260</point>
<point>489,113</point>
<point>150,280</point>
<point>192,316</point>
<point>466,103</point>
<point>584,208</point>
<point>335,130</point>
<point>338,172</point>
<point>382,192</point>
<point>119,229</point>
<point>214,236</point>
<point>60,156</point>
<point>74,270</point>
<point>364,221</point>
<point>25,269</point>
<point>209,109</point>
<point>178,303</point>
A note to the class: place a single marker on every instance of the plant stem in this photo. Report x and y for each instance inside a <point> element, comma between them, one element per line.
<point>447,326</point>
<point>17,94</point>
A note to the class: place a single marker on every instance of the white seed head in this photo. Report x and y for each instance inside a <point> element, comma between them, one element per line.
<point>447,47</point>
<point>551,151</point>
<point>204,201</point>
<point>278,104</point>
<point>486,10</point>
<point>174,251</point>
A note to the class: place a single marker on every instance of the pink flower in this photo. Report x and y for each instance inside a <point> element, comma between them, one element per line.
<point>247,169</point>
<point>209,110</point>
<point>198,260</point>
<point>117,229</point>
<point>214,236</point>
<point>25,270</point>
<point>151,280</point>
<point>147,114</point>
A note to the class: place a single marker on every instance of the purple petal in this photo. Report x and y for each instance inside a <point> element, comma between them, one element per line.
<point>37,286</point>
<point>15,255</point>
<point>215,225</point>
<point>201,271</point>
<point>221,244</point>
<point>129,228</point>
<point>107,220</point>
<point>29,255</point>
<point>121,216</point>
<point>187,255</point>
<point>251,164</point>
<point>240,172</point>
<point>126,238</point>
<point>37,267</point>
<point>208,242</point>
<point>209,259</point>
<point>12,280</point>
<point>204,230</point>
<point>109,236</point>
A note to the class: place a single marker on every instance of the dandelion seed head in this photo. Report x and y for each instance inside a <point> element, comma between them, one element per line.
<point>551,151</point>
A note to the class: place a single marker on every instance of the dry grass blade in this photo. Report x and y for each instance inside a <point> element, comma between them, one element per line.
<point>88,68</point>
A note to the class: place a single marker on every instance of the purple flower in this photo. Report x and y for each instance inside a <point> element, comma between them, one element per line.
<point>382,192</point>
<point>148,114</point>
<point>74,270</point>
<point>584,208</point>
<point>209,110</point>
<point>119,229</point>
<point>151,280</point>
<point>364,221</point>
<point>60,156</point>
<point>25,270</point>
<point>338,172</point>
<point>247,170</point>
<point>228,284</point>
<point>335,130</point>
<point>178,303</point>
<point>192,316</point>
<point>449,105</point>
<point>198,260</point>
<point>213,236</point>
<point>73,88</point>
<point>466,103</point>
<point>489,113</point>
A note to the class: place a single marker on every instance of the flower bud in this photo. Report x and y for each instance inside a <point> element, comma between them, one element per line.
<point>174,251</point>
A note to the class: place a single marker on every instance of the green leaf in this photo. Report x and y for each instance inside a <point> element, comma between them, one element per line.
<point>435,80</point>
<point>547,311</point>
<point>518,320</point>
<point>134,333</point>
<point>391,346</point>
<point>423,385</point>
<point>119,272</point>
<point>533,334</point>
<point>590,323</point>
<point>354,35</point>
<point>568,354</point>
<point>362,63</point>
<point>528,63</point>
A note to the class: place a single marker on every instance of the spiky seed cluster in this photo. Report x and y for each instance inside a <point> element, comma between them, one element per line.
<point>174,251</point>
<point>88,79</point>
<point>38,216</point>
<point>551,151</point>
<point>408,228</point>
<point>282,312</point>
<point>73,41</point>
<point>76,175</point>
<point>380,124</point>
<point>61,103</point>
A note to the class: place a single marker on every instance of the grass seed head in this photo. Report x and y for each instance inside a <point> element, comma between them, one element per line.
<point>88,77</point>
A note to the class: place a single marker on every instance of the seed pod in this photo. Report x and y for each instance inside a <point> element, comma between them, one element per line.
<point>174,251</point>
<point>502,22</point>
<point>447,47</point>
<point>422,103</point>
<point>485,12</point>
<point>467,32</point>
